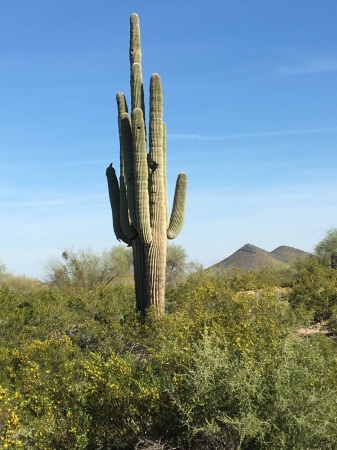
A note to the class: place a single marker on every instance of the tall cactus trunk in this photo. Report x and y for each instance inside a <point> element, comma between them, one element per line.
<point>156,259</point>
<point>139,200</point>
<point>139,272</point>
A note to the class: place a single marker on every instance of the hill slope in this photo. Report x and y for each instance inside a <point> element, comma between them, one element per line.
<point>249,257</point>
<point>288,254</point>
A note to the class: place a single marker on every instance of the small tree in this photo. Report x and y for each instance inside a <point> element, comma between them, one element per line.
<point>176,263</point>
<point>3,273</point>
<point>326,249</point>
<point>85,268</point>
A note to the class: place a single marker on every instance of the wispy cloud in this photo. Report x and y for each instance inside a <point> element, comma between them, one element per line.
<point>37,204</point>
<point>97,200</point>
<point>55,164</point>
<point>311,67</point>
<point>204,137</point>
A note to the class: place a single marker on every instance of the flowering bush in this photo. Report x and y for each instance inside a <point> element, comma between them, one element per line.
<point>224,368</point>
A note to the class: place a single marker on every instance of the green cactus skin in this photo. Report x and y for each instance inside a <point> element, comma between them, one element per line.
<point>139,201</point>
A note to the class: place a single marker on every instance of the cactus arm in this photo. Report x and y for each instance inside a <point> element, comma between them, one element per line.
<point>158,248</point>
<point>128,169</point>
<point>121,103</point>
<point>156,158</point>
<point>141,177</point>
<point>135,56</point>
<point>127,227</point>
<point>135,53</point>
<point>137,88</point>
<point>179,206</point>
<point>165,174</point>
<point>115,204</point>
<point>156,119</point>
<point>124,140</point>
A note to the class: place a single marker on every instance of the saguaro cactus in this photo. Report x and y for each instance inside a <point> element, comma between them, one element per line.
<point>139,200</point>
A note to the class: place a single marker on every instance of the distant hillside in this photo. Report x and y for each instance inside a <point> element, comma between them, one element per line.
<point>250,258</point>
<point>288,254</point>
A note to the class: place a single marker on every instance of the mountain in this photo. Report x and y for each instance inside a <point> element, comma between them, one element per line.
<point>288,254</point>
<point>249,258</point>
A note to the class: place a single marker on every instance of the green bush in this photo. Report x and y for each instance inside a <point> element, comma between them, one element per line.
<point>224,368</point>
<point>315,289</point>
<point>283,400</point>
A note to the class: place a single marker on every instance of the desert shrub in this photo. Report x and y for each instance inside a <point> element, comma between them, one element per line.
<point>332,324</point>
<point>148,444</point>
<point>262,278</point>
<point>122,398</point>
<point>23,284</point>
<point>327,247</point>
<point>223,369</point>
<point>46,378</point>
<point>283,400</point>
<point>315,289</point>
<point>244,328</point>
<point>90,318</point>
<point>9,419</point>
<point>274,276</point>
<point>208,300</point>
<point>301,402</point>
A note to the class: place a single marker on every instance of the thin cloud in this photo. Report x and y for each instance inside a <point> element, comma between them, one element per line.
<point>311,67</point>
<point>203,137</point>
<point>41,165</point>
<point>75,202</point>
<point>34,204</point>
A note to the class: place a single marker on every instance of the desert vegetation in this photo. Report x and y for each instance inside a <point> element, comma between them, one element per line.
<point>224,368</point>
<point>219,360</point>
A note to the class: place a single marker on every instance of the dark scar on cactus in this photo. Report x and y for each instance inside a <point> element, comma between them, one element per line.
<point>153,166</point>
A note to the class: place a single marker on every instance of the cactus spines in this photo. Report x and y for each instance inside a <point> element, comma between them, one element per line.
<point>139,201</point>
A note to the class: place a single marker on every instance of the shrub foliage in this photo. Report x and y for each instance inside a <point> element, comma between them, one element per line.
<point>223,369</point>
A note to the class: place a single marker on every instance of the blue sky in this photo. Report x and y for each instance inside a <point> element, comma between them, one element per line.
<point>250,106</point>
